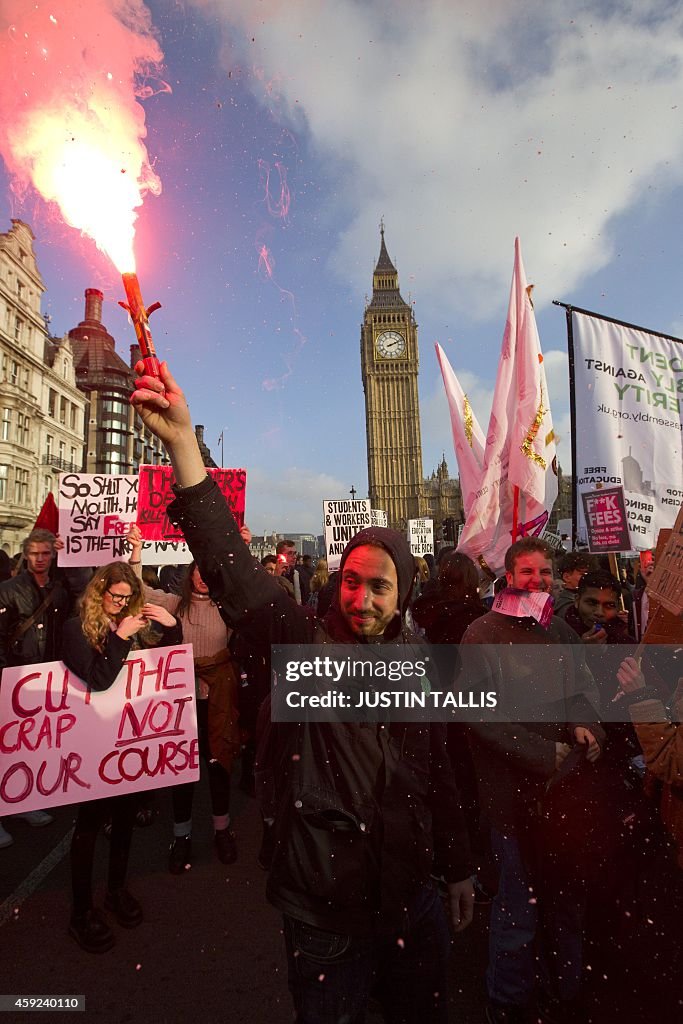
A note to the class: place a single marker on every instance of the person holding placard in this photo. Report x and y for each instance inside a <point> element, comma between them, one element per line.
<point>114,620</point>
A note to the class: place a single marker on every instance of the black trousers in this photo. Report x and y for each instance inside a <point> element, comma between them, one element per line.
<point>91,816</point>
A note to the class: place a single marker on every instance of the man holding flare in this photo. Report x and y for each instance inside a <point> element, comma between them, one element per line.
<point>363,812</point>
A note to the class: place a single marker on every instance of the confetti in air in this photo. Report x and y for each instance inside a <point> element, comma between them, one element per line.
<point>71,125</point>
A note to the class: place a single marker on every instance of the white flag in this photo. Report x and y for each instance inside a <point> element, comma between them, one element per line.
<point>520,444</point>
<point>468,437</point>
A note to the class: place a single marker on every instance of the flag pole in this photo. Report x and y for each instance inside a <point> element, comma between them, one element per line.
<point>515,513</point>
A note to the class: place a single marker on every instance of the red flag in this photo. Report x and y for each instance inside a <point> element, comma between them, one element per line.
<point>48,517</point>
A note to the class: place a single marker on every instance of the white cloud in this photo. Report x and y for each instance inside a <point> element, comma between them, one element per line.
<point>291,500</point>
<point>465,127</point>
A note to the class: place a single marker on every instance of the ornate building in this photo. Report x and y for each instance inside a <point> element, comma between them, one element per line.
<point>389,367</point>
<point>443,498</point>
<point>41,409</point>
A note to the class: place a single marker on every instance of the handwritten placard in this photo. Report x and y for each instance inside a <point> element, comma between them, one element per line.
<point>61,743</point>
<point>156,494</point>
<point>95,510</point>
<point>421,536</point>
<point>342,520</point>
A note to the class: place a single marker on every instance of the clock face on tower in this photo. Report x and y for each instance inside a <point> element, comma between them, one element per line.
<point>391,344</point>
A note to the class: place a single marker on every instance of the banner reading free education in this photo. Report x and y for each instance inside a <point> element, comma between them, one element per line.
<point>61,743</point>
<point>628,393</point>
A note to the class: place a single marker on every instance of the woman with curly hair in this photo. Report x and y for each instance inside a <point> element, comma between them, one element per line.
<point>114,620</point>
<point>217,714</point>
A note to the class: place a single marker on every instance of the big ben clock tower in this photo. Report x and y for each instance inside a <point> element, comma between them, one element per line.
<point>389,365</point>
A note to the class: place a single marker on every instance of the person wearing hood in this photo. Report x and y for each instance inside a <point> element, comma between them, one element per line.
<point>363,812</point>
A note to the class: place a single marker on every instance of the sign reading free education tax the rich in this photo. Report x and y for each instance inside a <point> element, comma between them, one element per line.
<point>62,743</point>
<point>343,519</point>
<point>421,536</point>
<point>606,520</point>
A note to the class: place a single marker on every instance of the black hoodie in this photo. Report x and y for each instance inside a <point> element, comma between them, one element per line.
<point>358,807</point>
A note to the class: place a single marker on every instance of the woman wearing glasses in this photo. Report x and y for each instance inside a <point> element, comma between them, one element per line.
<point>114,620</point>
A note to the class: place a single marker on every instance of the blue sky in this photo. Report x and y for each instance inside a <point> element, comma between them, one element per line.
<point>462,127</point>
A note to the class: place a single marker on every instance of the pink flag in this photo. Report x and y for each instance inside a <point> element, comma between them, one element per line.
<point>468,437</point>
<point>520,444</point>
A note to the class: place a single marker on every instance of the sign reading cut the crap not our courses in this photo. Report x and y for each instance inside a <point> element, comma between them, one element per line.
<point>606,522</point>
<point>342,520</point>
<point>61,743</point>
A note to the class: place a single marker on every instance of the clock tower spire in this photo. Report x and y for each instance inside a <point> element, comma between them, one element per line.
<point>389,366</point>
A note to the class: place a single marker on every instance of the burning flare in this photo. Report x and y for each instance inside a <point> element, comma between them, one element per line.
<point>70,121</point>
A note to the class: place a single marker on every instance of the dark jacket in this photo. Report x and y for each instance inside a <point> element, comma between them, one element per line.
<point>514,761</point>
<point>358,807</point>
<point>20,596</point>
<point>443,619</point>
<point>99,669</point>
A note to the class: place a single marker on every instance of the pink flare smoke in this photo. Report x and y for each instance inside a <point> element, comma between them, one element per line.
<point>70,122</point>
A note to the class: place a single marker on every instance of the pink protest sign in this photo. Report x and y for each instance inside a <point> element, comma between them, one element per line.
<point>155,494</point>
<point>62,743</point>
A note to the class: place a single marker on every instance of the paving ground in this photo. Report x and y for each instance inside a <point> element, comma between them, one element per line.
<point>210,948</point>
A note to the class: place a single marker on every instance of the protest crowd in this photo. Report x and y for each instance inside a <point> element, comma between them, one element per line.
<point>382,838</point>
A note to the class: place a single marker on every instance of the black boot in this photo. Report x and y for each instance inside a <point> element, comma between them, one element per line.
<point>91,931</point>
<point>180,855</point>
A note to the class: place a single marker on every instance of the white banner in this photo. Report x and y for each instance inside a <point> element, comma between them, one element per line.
<point>342,520</point>
<point>62,743</point>
<point>95,510</point>
<point>378,517</point>
<point>421,536</point>
<point>629,421</point>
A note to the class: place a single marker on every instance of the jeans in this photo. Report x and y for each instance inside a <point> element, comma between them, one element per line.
<point>522,916</point>
<point>331,976</point>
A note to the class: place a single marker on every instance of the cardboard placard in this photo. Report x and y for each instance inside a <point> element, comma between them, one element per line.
<point>62,743</point>
<point>95,510</point>
<point>156,494</point>
<point>343,518</point>
<point>665,586</point>
<point>421,536</point>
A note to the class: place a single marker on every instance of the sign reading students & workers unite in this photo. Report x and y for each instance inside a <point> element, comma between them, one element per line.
<point>96,509</point>
<point>342,520</point>
<point>61,743</point>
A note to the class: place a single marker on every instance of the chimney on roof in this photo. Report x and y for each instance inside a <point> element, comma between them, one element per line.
<point>135,355</point>
<point>93,305</point>
<point>199,431</point>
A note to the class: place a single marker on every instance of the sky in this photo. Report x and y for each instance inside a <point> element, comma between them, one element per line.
<point>281,134</point>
